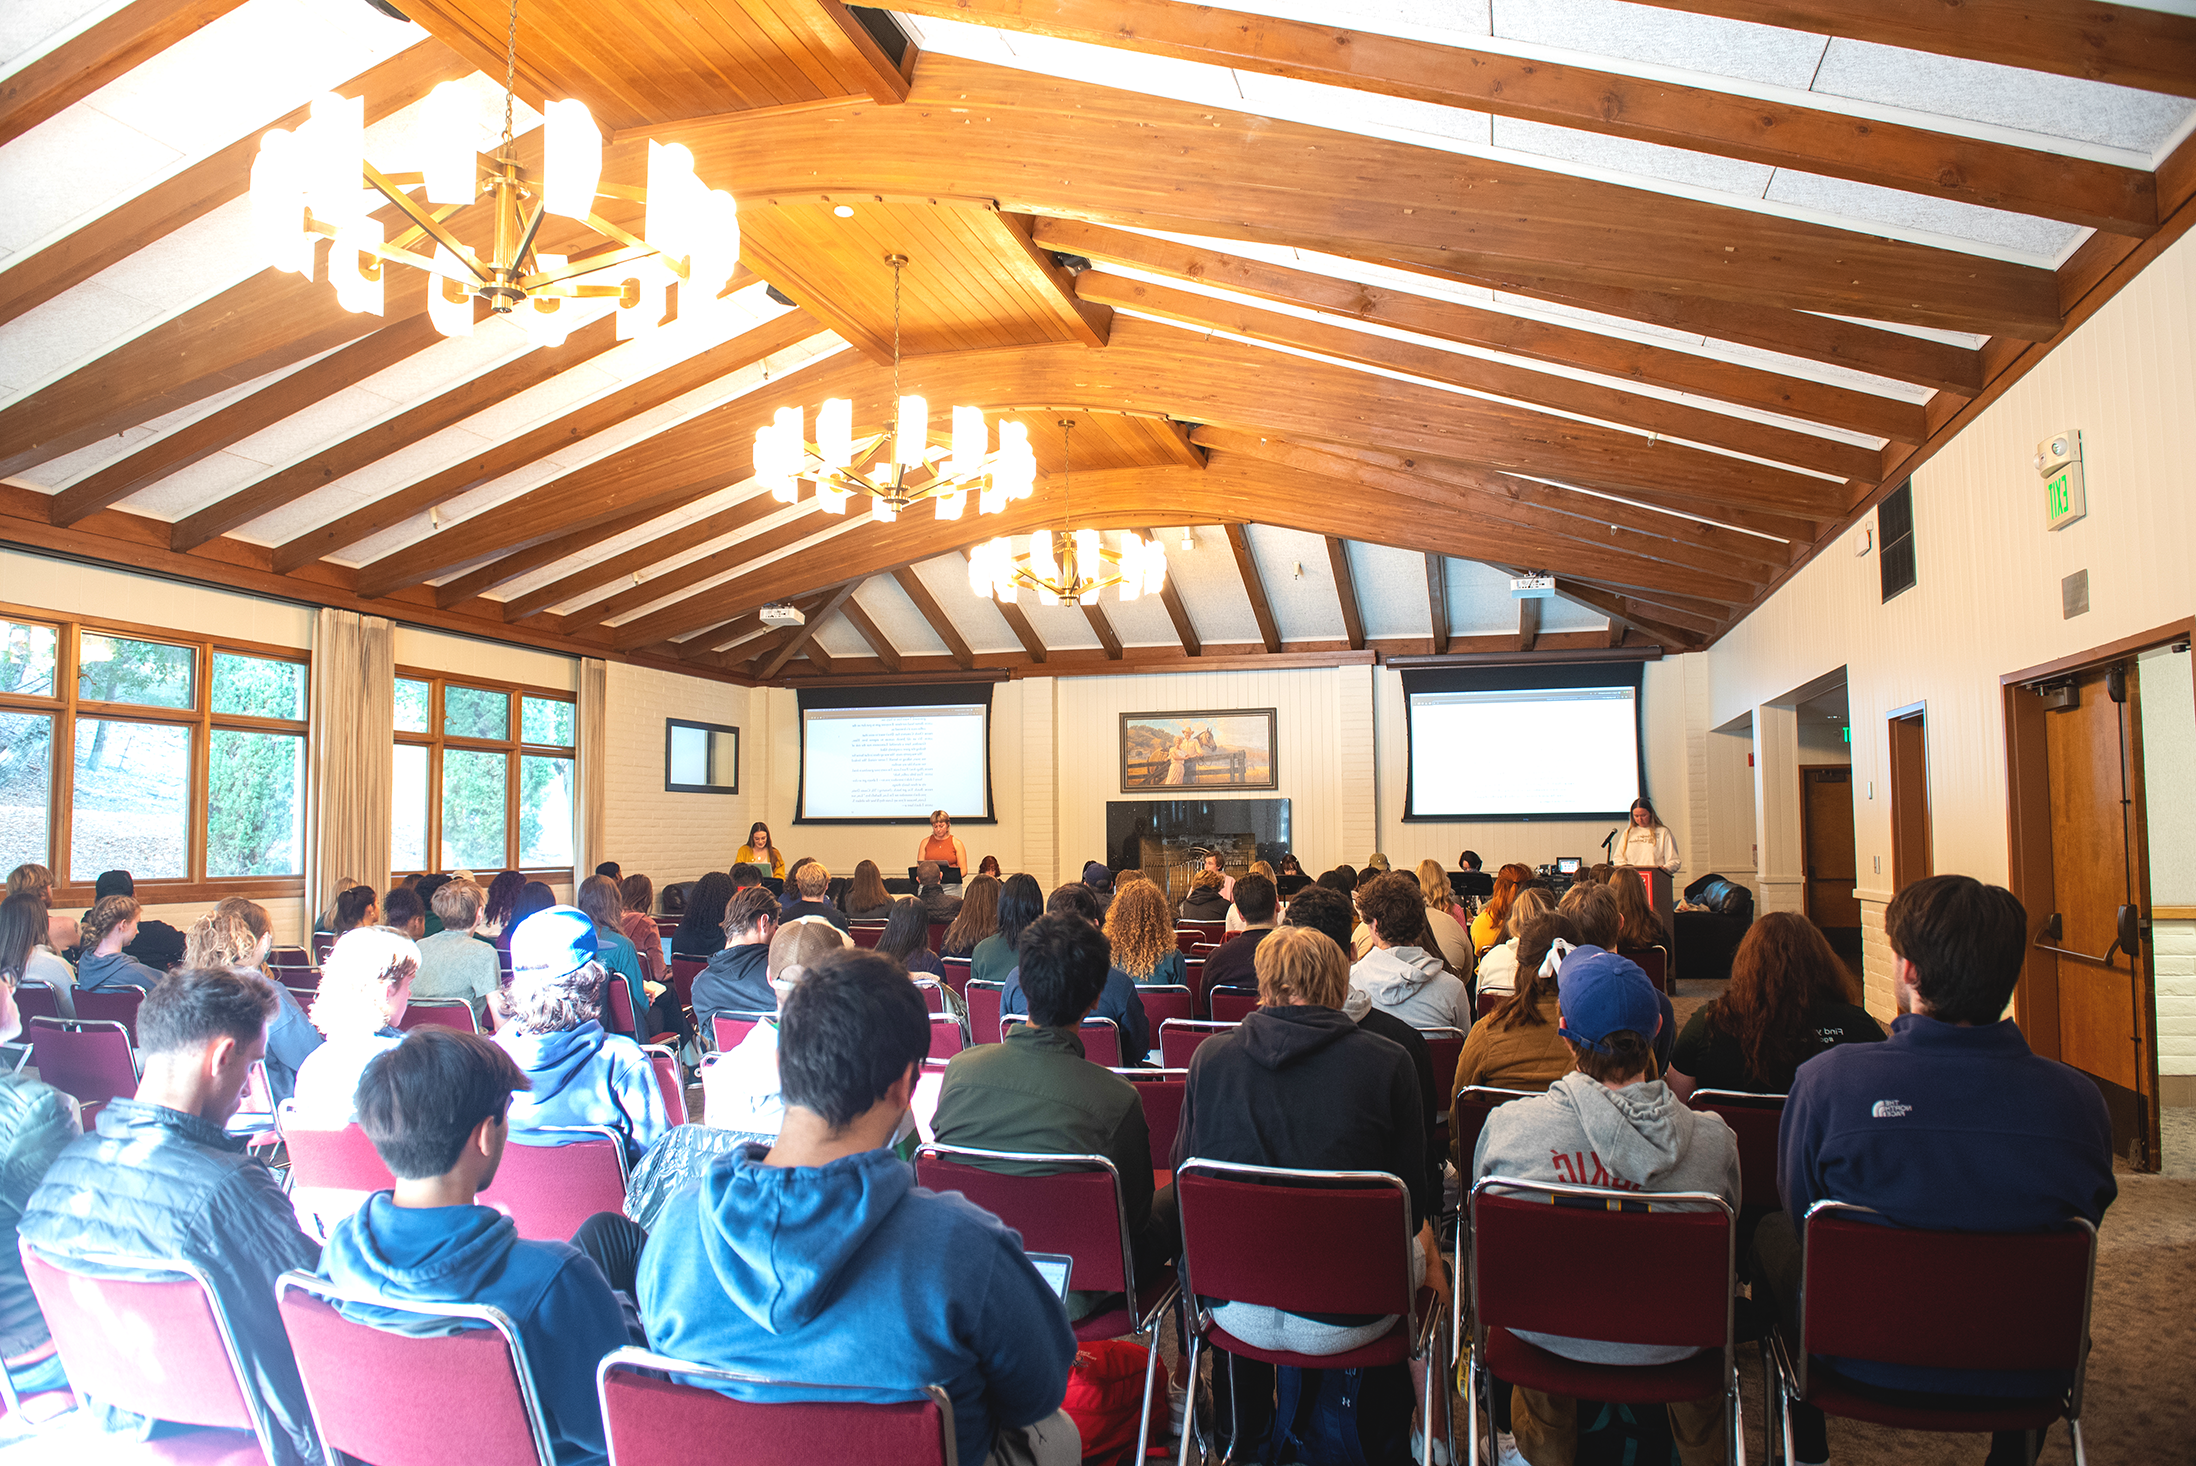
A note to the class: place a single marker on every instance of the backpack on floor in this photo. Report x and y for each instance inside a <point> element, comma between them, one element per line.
<point>1342,1417</point>
<point>1624,1435</point>
<point>1101,1398</point>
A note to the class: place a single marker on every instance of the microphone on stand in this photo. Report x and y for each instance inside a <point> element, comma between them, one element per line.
<point>1605,841</point>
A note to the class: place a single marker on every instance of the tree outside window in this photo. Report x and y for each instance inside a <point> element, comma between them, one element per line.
<point>483,775</point>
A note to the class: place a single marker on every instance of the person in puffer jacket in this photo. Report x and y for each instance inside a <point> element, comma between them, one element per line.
<point>1611,1123</point>
<point>37,1122</point>
<point>579,1075</point>
<point>1398,976</point>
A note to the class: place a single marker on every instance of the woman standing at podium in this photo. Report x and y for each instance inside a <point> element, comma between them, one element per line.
<point>1645,843</point>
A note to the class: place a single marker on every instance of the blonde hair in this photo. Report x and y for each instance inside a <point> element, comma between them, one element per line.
<point>1140,928</point>
<point>358,982</point>
<point>814,880</point>
<point>1260,868</point>
<point>107,914</point>
<point>1433,884</point>
<point>1298,963</point>
<point>1530,902</point>
<point>37,880</point>
<point>1205,880</point>
<point>457,905</point>
<point>221,938</point>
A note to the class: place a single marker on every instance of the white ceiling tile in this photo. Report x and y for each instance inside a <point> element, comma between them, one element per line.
<point>2045,241</point>
<point>837,636</point>
<point>29,28</point>
<point>1209,584</point>
<point>1061,628</point>
<point>49,183</point>
<point>907,630</point>
<point>1558,614</point>
<point>40,343</point>
<point>1663,37</point>
<point>1141,622</point>
<point>1305,606</point>
<point>190,489</point>
<point>1391,591</point>
<point>976,618</point>
<point>1479,600</point>
<point>1625,155</point>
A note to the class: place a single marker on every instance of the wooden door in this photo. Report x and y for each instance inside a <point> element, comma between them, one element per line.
<point>2098,846</point>
<point>1911,859</point>
<point>1826,845</point>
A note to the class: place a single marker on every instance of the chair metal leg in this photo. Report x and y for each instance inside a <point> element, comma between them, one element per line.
<point>1189,1425</point>
<point>1143,1422</point>
<point>1737,1423</point>
<point>1471,1414</point>
<point>2074,1427</point>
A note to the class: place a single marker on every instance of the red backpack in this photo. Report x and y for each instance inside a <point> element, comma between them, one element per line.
<point>1101,1398</point>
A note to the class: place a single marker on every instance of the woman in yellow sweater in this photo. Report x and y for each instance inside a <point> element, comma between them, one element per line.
<point>760,853</point>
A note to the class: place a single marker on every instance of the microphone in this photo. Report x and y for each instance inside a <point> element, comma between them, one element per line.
<point>1605,841</point>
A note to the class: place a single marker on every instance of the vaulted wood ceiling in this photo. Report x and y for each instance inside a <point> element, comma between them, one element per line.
<point>1359,314</point>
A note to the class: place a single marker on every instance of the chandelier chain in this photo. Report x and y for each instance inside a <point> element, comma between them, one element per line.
<point>897,264</point>
<point>510,75</point>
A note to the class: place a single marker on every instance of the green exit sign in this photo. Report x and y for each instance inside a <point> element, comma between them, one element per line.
<point>2065,499</point>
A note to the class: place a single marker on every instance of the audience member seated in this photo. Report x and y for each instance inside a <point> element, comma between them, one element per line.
<point>866,897</point>
<point>989,866</point>
<point>534,899</point>
<point>238,933</point>
<point>1118,1002</point>
<point>978,918</point>
<point>1142,936</point>
<point>906,938</point>
<point>1037,1093</point>
<point>701,929</point>
<point>932,895</point>
<point>1610,1123</point>
<point>498,912</point>
<point>1205,901</point>
<point>455,966</point>
<point>36,880</point>
<point>37,1122</point>
<point>1474,881</point>
<point>604,905</point>
<point>1299,1084</point>
<point>1235,922</point>
<point>359,906</point>
<point>1398,976</point>
<point>791,891</point>
<point>1021,901</point>
<point>812,879</point>
<point>637,897</point>
<point>1518,1045</point>
<point>611,869</point>
<point>1442,912</point>
<point>1290,879</point>
<point>428,885</point>
<point>1231,965</point>
<point>579,1075</point>
<point>1590,919</point>
<point>161,1179</point>
<point>817,1258</point>
<point>1342,880</point>
<point>737,979</point>
<point>2001,1139</point>
<point>437,1108</point>
<point>746,876</point>
<point>1638,926</point>
<point>1487,927</point>
<point>109,930</point>
<point>404,913</point>
<point>157,944</point>
<point>1498,964</point>
<point>1099,877</point>
<point>741,1091</point>
<point>24,955</point>
<point>760,853</point>
<point>365,986</point>
<point>1790,998</point>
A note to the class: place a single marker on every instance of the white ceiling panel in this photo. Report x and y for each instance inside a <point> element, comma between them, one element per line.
<point>1558,614</point>
<point>1707,43</point>
<point>837,636</point>
<point>1060,628</point>
<point>1141,622</point>
<point>1479,600</point>
<point>49,184</point>
<point>2045,242</point>
<point>977,620</point>
<point>903,624</point>
<point>1205,576</point>
<point>1640,159</point>
<point>632,539</point>
<point>1391,591</point>
<point>1299,583</point>
<point>30,28</point>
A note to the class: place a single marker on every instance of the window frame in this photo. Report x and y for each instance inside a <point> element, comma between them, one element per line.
<point>513,747</point>
<point>66,707</point>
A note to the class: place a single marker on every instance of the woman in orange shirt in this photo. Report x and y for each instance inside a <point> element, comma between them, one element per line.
<point>943,845</point>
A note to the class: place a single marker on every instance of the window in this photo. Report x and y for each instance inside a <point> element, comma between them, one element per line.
<point>1895,539</point>
<point>179,759</point>
<point>483,776</point>
<point>700,758</point>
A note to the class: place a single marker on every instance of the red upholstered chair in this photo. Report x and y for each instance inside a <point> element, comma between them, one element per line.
<point>1994,1300</point>
<point>1101,1039</point>
<point>1445,1046</point>
<point>1179,1038</point>
<point>1162,1092</point>
<point>331,1171</point>
<point>1193,973</point>
<point>323,944</point>
<point>549,1189</point>
<point>729,1028</point>
<point>1327,1242</point>
<point>946,1037</point>
<point>36,1000</point>
<point>96,1062</point>
<point>866,933</point>
<point>1186,938</point>
<point>957,971</point>
<point>686,969</point>
<point>420,1013</point>
<point>1655,962</point>
<point>670,1080</point>
<point>1754,1119</point>
<point>175,1360</point>
<point>111,1005</point>
<point>1478,1101</point>
<point>938,931</point>
<point>1596,1265</point>
<point>618,1016</point>
<point>933,992</point>
<point>1075,1210</point>
<point>370,1388</point>
<point>1167,1000</point>
<point>1488,1002</point>
<point>654,1410</point>
<point>983,1009</point>
<point>1229,1004</point>
<point>283,961</point>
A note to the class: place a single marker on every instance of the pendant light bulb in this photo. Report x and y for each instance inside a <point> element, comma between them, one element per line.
<point>571,159</point>
<point>450,129</point>
<point>911,437</point>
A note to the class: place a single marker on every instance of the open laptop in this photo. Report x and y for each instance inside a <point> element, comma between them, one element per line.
<point>948,875</point>
<point>1568,865</point>
<point>1054,1268</point>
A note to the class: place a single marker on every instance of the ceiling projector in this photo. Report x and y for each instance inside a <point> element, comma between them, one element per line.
<point>782,614</point>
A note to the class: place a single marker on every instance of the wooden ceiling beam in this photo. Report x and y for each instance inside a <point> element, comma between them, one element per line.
<point>324,465</point>
<point>1246,565</point>
<point>717,562</point>
<point>823,661</point>
<point>1096,615</point>
<point>1345,590</point>
<point>871,632</point>
<point>534,444</point>
<point>206,185</point>
<point>97,55</point>
<point>2125,45</point>
<point>1018,621</point>
<point>1467,325</point>
<point>813,294</point>
<point>1437,601</point>
<point>1128,158</point>
<point>1021,260</point>
<point>1528,623</point>
<point>869,68</point>
<point>1618,609</point>
<point>805,633</point>
<point>956,645</point>
<point>1170,596</point>
<point>1722,124</point>
<point>1477,374</point>
<point>497,572</point>
<point>630,563</point>
<point>216,431</point>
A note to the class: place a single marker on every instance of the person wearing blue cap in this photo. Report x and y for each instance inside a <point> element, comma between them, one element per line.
<point>1610,1122</point>
<point>577,1073</point>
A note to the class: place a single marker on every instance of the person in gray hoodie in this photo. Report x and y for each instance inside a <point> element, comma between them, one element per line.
<point>1397,976</point>
<point>1610,1123</point>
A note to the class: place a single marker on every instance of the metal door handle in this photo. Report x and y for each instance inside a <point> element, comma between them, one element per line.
<point>2125,940</point>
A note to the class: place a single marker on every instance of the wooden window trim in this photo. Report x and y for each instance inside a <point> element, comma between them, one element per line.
<point>436,742</point>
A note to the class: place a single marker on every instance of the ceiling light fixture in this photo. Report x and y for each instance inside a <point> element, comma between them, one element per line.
<point>318,183</point>
<point>900,467</point>
<point>1067,565</point>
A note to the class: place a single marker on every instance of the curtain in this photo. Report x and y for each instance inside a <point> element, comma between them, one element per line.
<point>348,751</point>
<point>590,795</point>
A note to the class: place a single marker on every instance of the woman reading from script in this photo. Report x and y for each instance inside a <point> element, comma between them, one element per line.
<point>942,845</point>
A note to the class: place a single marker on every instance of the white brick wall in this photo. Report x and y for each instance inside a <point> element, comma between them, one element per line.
<point>2174,946</point>
<point>673,837</point>
<point>1880,997</point>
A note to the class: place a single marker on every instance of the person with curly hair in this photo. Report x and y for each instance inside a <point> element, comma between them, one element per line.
<point>109,929</point>
<point>503,895</point>
<point>1789,999</point>
<point>1398,975</point>
<point>238,934</point>
<point>1143,936</point>
<point>1206,901</point>
<point>365,986</point>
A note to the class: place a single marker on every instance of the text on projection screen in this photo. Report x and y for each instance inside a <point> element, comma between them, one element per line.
<point>1552,751</point>
<point>894,763</point>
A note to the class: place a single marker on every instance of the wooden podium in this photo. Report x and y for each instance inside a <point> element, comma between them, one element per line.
<point>1659,892</point>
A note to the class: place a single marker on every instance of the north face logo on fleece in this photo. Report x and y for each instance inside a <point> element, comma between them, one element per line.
<point>1890,1109</point>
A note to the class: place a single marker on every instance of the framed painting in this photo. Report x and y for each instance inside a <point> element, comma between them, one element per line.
<point>1231,750</point>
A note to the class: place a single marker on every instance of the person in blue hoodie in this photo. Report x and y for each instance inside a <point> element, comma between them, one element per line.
<point>1120,1001</point>
<point>436,1108</point>
<point>577,1073</point>
<point>819,1259</point>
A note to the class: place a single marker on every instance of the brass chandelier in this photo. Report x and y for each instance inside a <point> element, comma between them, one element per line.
<point>318,183</point>
<point>901,467</point>
<point>1067,566</point>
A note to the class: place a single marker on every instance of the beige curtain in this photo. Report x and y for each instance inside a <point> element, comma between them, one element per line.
<point>352,731</point>
<point>590,796</point>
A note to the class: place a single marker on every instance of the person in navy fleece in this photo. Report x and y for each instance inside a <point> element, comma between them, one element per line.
<point>819,1259</point>
<point>1951,1124</point>
<point>1120,1001</point>
<point>436,1108</point>
<point>579,1075</point>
